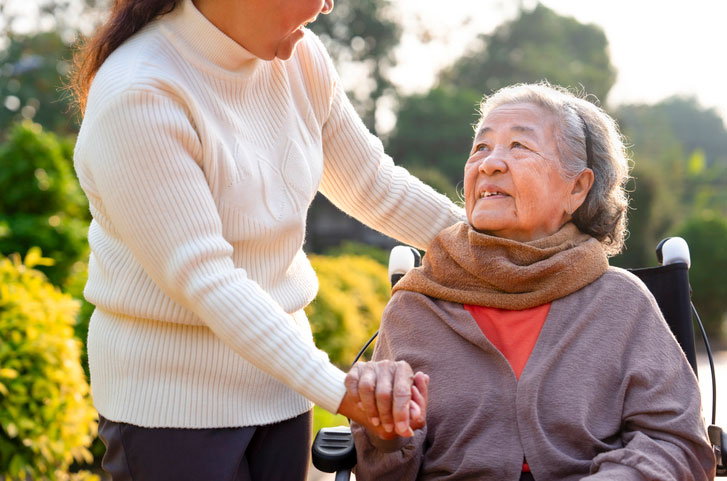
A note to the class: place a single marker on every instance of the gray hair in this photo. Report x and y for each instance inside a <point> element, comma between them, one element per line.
<point>603,213</point>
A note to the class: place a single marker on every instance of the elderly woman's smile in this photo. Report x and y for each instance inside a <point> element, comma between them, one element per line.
<point>513,183</point>
<point>490,193</point>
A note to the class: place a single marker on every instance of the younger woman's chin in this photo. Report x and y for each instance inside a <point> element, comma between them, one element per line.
<point>286,47</point>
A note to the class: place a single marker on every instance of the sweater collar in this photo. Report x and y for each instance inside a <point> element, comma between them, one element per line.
<point>202,38</point>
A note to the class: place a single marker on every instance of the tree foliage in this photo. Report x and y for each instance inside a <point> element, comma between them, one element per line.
<point>675,178</point>
<point>676,122</point>
<point>706,234</point>
<point>434,130</point>
<point>687,143</point>
<point>538,44</point>
<point>694,126</point>
<point>46,417</point>
<point>42,204</point>
<point>33,73</point>
<point>365,33</point>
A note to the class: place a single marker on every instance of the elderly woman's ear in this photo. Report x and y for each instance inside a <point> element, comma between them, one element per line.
<point>581,186</point>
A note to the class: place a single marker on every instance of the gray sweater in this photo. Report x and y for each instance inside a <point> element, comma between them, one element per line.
<point>606,394</point>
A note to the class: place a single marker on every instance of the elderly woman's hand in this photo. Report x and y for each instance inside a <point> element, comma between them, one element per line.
<point>389,398</point>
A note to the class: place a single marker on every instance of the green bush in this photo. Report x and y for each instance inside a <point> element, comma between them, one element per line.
<point>41,203</point>
<point>324,419</point>
<point>353,293</point>
<point>353,248</point>
<point>706,235</point>
<point>46,418</point>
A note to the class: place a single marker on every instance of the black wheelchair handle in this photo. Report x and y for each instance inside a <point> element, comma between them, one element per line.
<point>333,450</point>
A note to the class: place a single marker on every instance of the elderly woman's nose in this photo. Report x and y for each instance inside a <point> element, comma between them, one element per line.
<point>327,6</point>
<point>493,163</point>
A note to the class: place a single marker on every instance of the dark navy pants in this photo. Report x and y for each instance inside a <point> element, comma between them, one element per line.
<point>274,452</point>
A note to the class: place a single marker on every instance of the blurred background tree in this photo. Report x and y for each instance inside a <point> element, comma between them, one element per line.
<point>353,292</point>
<point>36,58</point>
<point>361,36</point>
<point>32,72</point>
<point>433,131</point>
<point>678,171</point>
<point>537,45</point>
<point>42,204</point>
<point>705,233</point>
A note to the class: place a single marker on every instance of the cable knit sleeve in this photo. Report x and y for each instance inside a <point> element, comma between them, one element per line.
<point>360,179</point>
<point>143,164</point>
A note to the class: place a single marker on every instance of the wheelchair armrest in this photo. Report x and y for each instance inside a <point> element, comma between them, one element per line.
<point>718,439</point>
<point>333,450</point>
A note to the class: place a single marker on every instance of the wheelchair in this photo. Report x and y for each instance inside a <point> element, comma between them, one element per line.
<point>333,449</point>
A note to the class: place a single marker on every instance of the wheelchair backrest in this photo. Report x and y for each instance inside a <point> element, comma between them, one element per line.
<point>670,286</point>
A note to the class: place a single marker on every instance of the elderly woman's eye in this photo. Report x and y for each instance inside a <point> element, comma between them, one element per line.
<point>480,147</point>
<point>518,145</point>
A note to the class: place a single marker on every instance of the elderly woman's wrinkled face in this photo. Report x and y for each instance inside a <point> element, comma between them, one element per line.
<point>512,182</point>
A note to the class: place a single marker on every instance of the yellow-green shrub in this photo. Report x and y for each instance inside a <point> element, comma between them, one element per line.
<point>46,417</point>
<point>324,419</point>
<point>353,293</point>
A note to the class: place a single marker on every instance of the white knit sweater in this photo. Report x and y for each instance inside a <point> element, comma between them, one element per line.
<point>200,162</point>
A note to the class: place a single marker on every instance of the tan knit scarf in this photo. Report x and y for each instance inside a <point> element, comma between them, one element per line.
<point>468,267</point>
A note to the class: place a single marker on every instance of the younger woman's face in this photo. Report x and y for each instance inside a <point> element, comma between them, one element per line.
<point>288,22</point>
<point>266,28</point>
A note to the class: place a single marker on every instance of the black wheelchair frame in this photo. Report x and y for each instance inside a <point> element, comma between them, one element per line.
<point>333,449</point>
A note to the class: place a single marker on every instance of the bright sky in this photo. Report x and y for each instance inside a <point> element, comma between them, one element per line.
<point>659,47</point>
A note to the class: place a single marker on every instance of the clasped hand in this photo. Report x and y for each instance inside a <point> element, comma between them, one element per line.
<point>386,398</point>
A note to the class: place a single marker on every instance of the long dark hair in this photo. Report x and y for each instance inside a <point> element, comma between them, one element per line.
<point>127,17</point>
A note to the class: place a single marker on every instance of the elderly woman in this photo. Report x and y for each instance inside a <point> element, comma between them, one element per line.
<point>545,363</point>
